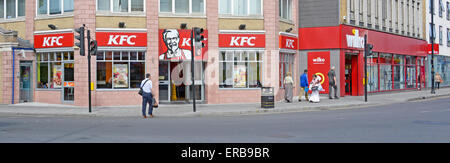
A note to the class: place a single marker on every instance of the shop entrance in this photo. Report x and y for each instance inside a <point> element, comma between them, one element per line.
<point>351,74</point>
<point>26,93</point>
<point>68,85</point>
<point>174,81</point>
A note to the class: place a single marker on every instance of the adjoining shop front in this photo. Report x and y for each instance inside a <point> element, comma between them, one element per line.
<point>398,62</point>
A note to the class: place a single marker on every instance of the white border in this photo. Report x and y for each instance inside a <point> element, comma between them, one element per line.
<point>64,49</point>
<point>54,31</point>
<point>289,34</point>
<point>242,31</point>
<point>121,30</point>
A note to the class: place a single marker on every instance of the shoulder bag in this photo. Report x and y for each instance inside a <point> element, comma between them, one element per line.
<point>141,91</point>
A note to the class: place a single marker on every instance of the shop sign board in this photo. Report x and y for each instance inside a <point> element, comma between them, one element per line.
<point>175,44</point>
<point>54,40</point>
<point>288,42</point>
<point>242,40</point>
<point>121,39</point>
<point>319,64</point>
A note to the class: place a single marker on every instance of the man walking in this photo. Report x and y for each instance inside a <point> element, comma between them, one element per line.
<point>304,84</point>
<point>147,96</point>
<point>332,83</point>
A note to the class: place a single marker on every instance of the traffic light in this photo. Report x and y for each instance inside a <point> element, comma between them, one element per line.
<point>93,47</point>
<point>80,38</point>
<point>199,38</point>
<point>369,48</point>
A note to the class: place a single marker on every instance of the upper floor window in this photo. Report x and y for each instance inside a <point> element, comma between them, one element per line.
<point>54,7</point>
<point>121,6</point>
<point>285,9</point>
<point>241,7</point>
<point>448,11</point>
<point>10,9</point>
<point>182,6</point>
<point>441,8</point>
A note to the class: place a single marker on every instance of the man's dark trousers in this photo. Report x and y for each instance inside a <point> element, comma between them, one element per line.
<point>147,98</point>
<point>332,85</point>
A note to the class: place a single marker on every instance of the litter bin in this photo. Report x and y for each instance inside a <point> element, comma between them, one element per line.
<point>267,97</point>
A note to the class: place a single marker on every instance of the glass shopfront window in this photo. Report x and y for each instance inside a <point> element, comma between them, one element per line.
<point>372,69</point>
<point>399,72</point>
<point>50,69</point>
<point>240,69</point>
<point>411,77</point>
<point>120,69</point>
<point>385,71</point>
<point>286,65</point>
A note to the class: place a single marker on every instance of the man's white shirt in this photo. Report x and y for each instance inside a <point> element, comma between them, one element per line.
<point>147,88</point>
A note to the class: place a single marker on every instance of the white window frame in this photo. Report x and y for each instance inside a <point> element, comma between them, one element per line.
<point>190,9</point>
<point>240,51</point>
<point>48,9</point>
<point>17,11</point>
<point>289,12</point>
<point>248,10</point>
<point>111,8</point>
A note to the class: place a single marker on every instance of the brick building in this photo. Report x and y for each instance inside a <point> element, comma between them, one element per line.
<point>250,43</point>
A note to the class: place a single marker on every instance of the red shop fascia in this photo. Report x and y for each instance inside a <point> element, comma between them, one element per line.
<point>350,40</point>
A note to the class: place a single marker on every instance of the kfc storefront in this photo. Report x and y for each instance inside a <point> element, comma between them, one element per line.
<point>397,62</point>
<point>288,44</point>
<point>240,65</point>
<point>175,77</point>
<point>54,66</point>
<point>120,65</point>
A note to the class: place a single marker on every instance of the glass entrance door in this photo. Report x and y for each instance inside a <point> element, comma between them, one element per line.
<point>175,79</point>
<point>25,82</point>
<point>68,85</point>
<point>163,78</point>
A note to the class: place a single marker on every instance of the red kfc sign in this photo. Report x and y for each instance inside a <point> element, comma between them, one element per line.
<point>175,44</point>
<point>319,64</point>
<point>288,42</point>
<point>121,39</point>
<point>54,40</point>
<point>242,40</point>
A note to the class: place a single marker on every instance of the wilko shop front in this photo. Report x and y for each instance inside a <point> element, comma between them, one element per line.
<point>175,56</point>
<point>55,82</point>
<point>397,62</point>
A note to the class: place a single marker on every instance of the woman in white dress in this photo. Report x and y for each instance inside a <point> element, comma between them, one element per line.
<point>315,87</point>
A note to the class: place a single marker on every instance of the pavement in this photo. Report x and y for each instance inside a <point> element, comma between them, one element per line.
<point>186,110</point>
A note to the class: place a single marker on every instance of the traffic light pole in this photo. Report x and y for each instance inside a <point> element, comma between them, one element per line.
<point>192,68</point>
<point>89,67</point>
<point>365,68</point>
<point>432,47</point>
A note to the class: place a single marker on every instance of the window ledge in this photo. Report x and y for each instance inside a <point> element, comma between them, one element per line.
<point>132,14</point>
<point>41,17</point>
<point>231,89</point>
<point>240,17</point>
<point>171,15</point>
<point>19,19</point>
<point>287,21</point>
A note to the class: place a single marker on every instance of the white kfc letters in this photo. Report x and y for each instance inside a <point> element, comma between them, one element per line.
<point>51,41</point>
<point>121,39</point>
<point>243,40</point>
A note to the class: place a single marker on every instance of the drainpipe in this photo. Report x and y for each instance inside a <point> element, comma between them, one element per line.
<point>13,68</point>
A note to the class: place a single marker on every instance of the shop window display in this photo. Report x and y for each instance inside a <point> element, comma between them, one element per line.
<point>50,69</point>
<point>120,70</point>
<point>240,69</point>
